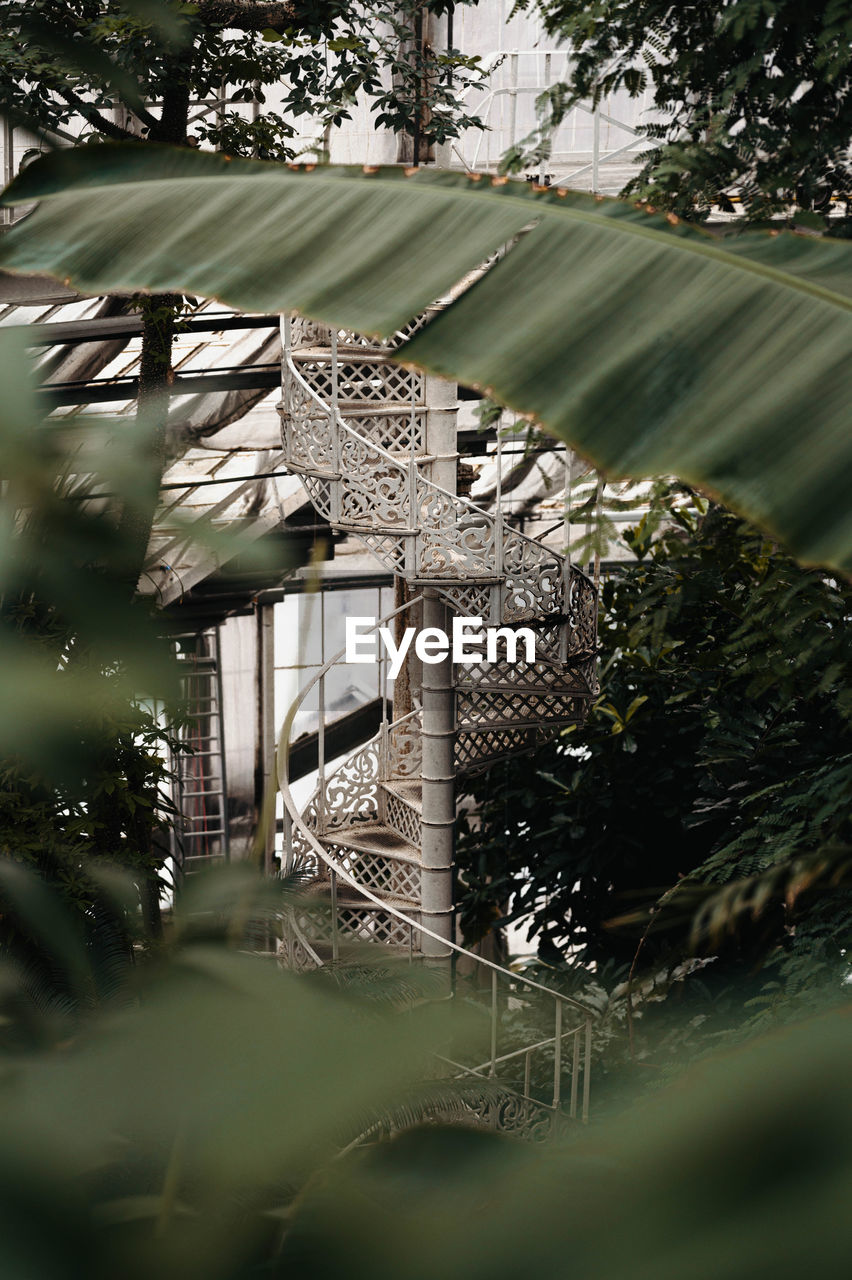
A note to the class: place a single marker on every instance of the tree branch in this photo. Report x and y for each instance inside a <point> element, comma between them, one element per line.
<point>144,116</point>
<point>95,118</point>
<point>247,15</point>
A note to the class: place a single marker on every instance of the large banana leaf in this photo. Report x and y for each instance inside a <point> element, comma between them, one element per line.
<point>651,347</point>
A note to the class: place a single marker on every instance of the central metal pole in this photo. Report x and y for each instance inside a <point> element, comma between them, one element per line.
<point>438,700</point>
<point>439,802</point>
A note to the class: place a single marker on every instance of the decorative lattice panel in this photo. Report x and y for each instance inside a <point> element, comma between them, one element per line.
<point>321,494</point>
<point>476,748</point>
<point>473,602</point>
<point>368,923</point>
<point>368,381</point>
<point>389,548</point>
<point>522,676</point>
<point>384,876</point>
<point>396,432</point>
<point>482,708</point>
<point>403,819</point>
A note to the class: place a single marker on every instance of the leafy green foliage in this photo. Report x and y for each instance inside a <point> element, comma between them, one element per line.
<point>61,60</point>
<point>82,769</point>
<point>715,353</point>
<point>75,643</point>
<point>211,1116</point>
<point>719,752</point>
<point>755,95</point>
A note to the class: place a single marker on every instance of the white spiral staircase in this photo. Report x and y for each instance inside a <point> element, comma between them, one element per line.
<point>372,440</point>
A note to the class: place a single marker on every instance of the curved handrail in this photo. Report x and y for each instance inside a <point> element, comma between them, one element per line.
<point>325,857</point>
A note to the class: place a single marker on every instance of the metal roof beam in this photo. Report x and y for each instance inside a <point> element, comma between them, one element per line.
<point>96,329</point>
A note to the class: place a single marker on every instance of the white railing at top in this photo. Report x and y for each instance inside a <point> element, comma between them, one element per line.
<point>579,1035</point>
<point>518,77</point>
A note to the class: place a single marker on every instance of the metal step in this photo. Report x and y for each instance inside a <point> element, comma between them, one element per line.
<point>376,838</point>
<point>410,791</point>
<point>319,890</point>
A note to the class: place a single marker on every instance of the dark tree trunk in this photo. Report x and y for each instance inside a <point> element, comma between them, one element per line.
<point>159,314</point>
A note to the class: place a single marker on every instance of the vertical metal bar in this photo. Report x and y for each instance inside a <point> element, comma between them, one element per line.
<point>587,1072</point>
<point>527,1072</point>
<point>598,510</point>
<point>498,591</point>
<point>498,506</point>
<point>223,772</point>
<point>383,685</point>
<point>566,539</point>
<point>8,161</point>
<point>493,1067</point>
<point>384,731</point>
<point>335,937</point>
<point>513,97</point>
<point>557,1057</point>
<point>221,104</point>
<point>321,754</point>
<point>542,173</point>
<point>287,837</point>
<point>255,112</point>
<point>266,724</point>
<point>438,706</point>
<point>336,427</point>
<point>596,148</point>
<point>575,1074</point>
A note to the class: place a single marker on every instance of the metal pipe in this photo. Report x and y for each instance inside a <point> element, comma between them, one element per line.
<point>493,1067</point>
<point>266,725</point>
<point>575,1074</point>
<point>513,98</point>
<point>542,173</point>
<point>321,754</point>
<point>438,775</point>
<point>587,1072</point>
<point>598,510</point>
<point>335,934</point>
<point>531,1048</point>
<point>557,1057</point>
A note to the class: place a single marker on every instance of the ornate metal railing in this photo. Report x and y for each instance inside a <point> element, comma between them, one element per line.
<point>313,935</point>
<point>357,429</point>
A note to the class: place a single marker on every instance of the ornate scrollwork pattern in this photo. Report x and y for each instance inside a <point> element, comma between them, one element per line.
<point>376,490</point>
<point>512,1113</point>
<point>351,792</point>
<point>405,748</point>
<point>457,538</point>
